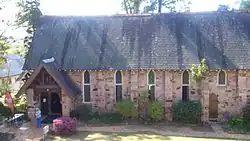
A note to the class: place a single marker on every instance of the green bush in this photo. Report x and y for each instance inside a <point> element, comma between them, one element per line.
<point>247,111</point>
<point>143,102</point>
<point>109,118</point>
<point>5,111</point>
<point>187,111</point>
<point>74,114</point>
<point>237,124</point>
<point>126,108</point>
<point>156,111</point>
<point>83,112</point>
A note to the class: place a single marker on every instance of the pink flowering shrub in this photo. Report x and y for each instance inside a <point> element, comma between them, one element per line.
<point>64,125</point>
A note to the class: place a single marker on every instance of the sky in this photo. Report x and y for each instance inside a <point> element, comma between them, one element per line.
<point>95,7</point>
<point>109,7</point>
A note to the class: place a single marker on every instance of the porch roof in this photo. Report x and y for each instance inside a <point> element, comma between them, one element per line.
<point>61,77</point>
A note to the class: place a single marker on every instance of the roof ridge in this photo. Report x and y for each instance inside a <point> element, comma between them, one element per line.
<point>145,14</point>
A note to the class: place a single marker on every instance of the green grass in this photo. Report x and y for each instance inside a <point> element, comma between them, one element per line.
<point>98,136</point>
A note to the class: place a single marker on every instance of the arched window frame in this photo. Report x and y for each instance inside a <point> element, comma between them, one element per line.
<point>86,85</point>
<point>150,85</point>
<point>187,85</point>
<point>218,77</point>
<point>118,84</point>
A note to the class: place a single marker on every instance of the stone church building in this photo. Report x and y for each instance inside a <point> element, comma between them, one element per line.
<point>102,59</point>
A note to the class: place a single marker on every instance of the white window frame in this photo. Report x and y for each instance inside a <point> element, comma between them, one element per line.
<point>185,84</point>
<point>150,85</point>
<point>219,77</point>
<point>86,84</point>
<point>118,84</point>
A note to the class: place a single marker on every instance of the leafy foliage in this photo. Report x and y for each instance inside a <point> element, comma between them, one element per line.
<point>126,108</point>
<point>5,111</point>
<point>151,6</point>
<point>132,6</point>
<point>28,17</point>
<point>111,117</point>
<point>245,4</point>
<point>143,102</point>
<point>4,46</point>
<point>237,124</point>
<point>170,5</point>
<point>156,111</point>
<point>247,111</point>
<point>199,71</point>
<point>82,112</point>
<point>64,126</point>
<point>187,111</point>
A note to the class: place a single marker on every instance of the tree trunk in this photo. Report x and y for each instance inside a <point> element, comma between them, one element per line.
<point>125,6</point>
<point>159,6</point>
<point>199,88</point>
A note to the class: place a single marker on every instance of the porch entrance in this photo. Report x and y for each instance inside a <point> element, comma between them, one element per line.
<point>50,104</point>
<point>213,106</point>
<point>46,83</point>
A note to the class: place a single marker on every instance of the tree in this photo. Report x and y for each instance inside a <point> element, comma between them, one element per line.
<point>170,5</point>
<point>223,8</point>
<point>132,6</point>
<point>4,44</point>
<point>159,6</point>
<point>27,17</point>
<point>245,4</point>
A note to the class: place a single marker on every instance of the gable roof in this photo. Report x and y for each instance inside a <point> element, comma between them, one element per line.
<point>172,40</point>
<point>61,77</point>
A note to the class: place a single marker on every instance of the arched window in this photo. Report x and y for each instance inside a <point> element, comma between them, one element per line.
<point>86,95</point>
<point>151,85</point>
<point>118,85</point>
<point>222,78</point>
<point>185,85</point>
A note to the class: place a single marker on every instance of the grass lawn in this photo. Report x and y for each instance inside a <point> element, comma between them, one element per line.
<point>93,136</point>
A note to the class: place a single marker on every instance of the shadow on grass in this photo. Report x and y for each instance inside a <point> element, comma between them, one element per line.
<point>95,136</point>
<point>142,136</point>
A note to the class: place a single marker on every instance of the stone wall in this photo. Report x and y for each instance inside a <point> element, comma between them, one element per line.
<point>231,98</point>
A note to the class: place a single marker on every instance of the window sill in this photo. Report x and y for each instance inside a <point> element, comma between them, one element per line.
<point>87,102</point>
<point>221,85</point>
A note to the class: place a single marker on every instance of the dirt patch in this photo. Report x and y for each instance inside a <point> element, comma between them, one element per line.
<point>202,128</point>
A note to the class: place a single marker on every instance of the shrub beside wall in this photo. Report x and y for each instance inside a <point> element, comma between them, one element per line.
<point>156,111</point>
<point>82,112</point>
<point>64,126</point>
<point>126,108</point>
<point>187,111</point>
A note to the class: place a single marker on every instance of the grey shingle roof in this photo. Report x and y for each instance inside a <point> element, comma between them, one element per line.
<point>13,65</point>
<point>170,40</point>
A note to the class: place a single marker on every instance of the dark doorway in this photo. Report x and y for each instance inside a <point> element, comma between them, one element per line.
<point>44,103</point>
<point>56,107</point>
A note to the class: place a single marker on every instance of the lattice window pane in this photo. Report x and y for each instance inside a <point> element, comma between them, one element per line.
<point>222,78</point>
<point>86,77</point>
<point>118,92</point>
<point>86,93</point>
<point>185,93</point>
<point>151,93</point>
<point>151,77</point>
<point>118,77</point>
<point>185,77</point>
